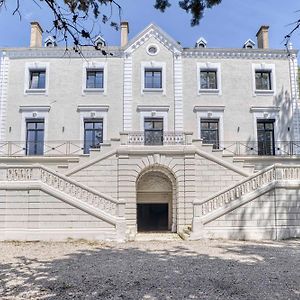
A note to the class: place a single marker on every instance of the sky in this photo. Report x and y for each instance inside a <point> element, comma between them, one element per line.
<point>228,25</point>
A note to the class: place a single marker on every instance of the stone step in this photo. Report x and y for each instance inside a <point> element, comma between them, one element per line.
<point>157,236</point>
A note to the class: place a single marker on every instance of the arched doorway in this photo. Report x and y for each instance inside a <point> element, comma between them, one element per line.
<point>155,202</point>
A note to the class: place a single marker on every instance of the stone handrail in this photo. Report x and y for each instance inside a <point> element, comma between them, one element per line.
<point>246,186</point>
<point>65,185</point>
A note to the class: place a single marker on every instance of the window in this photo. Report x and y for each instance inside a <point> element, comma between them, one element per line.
<point>208,79</point>
<point>263,80</point>
<point>93,134</point>
<point>210,132</point>
<point>152,49</point>
<point>37,79</point>
<point>35,137</point>
<point>94,79</point>
<point>153,131</point>
<point>265,137</point>
<point>153,79</point>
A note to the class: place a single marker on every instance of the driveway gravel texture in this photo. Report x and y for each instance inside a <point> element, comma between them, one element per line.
<point>210,269</point>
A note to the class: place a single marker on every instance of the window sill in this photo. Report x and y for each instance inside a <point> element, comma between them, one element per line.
<point>148,90</point>
<point>93,91</point>
<point>36,91</point>
<point>264,92</point>
<point>209,91</point>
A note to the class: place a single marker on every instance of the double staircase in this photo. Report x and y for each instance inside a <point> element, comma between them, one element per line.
<point>66,189</point>
<point>252,187</point>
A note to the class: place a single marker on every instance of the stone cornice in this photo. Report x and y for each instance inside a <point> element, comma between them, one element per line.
<point>208,108</point>
<point>92,108</point>
<point>217,53</point>
<point>59,52</point>
<point>153,107</point>
<point>223,53</point>
<point>30,108</point>
<point>264,109</point>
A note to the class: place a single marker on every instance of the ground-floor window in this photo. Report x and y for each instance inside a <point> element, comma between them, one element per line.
<point>153,131</point>
<point>265,137</point>
<point>93,134</point>
<point>34,136</point>
<point>210,132</point>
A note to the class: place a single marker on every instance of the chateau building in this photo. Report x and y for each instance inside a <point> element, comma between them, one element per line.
<point>149,136</point>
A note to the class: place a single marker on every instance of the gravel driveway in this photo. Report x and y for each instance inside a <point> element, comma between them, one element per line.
<point>150,270</point>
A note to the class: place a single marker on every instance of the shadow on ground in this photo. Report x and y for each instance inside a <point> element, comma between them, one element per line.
<point>150,270</point>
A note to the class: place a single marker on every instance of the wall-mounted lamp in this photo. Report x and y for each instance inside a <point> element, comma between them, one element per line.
<point>9,129</point>
<point>238,129</point>
<point>288,128</point>
<point>63,129</point>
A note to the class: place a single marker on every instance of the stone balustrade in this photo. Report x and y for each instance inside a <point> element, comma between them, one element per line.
<point>65,185</point>
<point>247,186</point>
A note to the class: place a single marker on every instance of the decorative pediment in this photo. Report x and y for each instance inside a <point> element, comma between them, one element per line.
<point>153,31</point>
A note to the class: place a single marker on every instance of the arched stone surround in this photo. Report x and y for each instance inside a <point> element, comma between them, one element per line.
<point>160,180</point>
<point>179,169</point>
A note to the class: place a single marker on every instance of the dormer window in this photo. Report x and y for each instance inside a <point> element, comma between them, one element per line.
<point>50,42</point>
<point>100,42</point>
<point>201,43</point>
<point>249,44</point>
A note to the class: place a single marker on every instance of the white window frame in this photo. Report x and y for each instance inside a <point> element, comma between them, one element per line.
<point>153,112</point>
<point>35,66</point>
<point>92,112</point>
<point>34,112</point>
<point>153,65</point>
<point>94,66</point>
<point>209,66</point>
<point>265,113</point>
<point>264,67</point>
<point>211,112</point>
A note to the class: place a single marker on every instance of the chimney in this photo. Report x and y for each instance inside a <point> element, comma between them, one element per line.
<point>124,33</point>
<point>263,37</point>
<point>36,38</point>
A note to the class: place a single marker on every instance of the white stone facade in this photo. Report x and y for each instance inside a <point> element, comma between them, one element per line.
<point>232,189</point>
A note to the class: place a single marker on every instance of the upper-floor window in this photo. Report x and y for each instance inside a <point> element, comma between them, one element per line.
<point>94,79</point>
<point>208,79</point>
<point>37,79</point>
<point>153,78</point>
<point>263,80</point>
